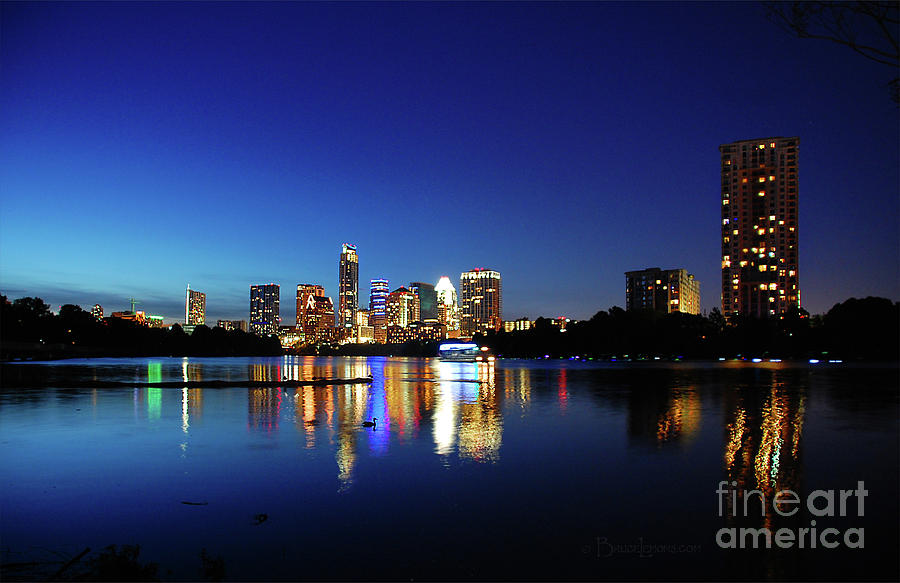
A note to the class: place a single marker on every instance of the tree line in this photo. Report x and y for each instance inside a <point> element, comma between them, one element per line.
<point>28,329</point>
<point>866,328</point>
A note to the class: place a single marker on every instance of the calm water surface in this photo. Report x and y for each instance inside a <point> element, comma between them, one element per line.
<point>509,470</point>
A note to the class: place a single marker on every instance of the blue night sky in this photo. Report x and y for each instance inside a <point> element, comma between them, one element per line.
<point>148,146</point>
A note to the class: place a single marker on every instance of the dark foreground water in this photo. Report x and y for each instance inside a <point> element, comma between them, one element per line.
<point>508,470</point>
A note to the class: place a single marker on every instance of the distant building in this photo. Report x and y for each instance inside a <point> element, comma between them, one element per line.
<point>662,290</point>
<point>402,307</point>
<point>378,293</point>
<point>194,307</point>
<point>426,331</point>
<point>264,309</point>
<point>447,305</point>
<point>232,324</point>
<point>130,316</point>
<point>362,331</point>
<point>97,311</point>
<point>517,325</point>
<point>428,310</point>
<point>759,227</point>
<point>315,313</point>
<point>480,299</point>
<point>140,317</point>
<point>290,336</point>
<point>562,323</point>
<point>348,286</point>
<point>398,334</point>
<point>307,316</point>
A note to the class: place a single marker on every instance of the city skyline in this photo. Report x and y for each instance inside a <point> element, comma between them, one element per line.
<point>549,142</point>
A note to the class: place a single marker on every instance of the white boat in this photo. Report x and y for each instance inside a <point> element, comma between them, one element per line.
<point>459,351</point>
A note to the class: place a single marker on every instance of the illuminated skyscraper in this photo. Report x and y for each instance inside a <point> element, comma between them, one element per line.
<point>348,286</point>
<point>759,227</point>
<point>315,312</point>
<point>378,293</point>
<point>264,308</point>
<point>402,308</point>
<point>481,303</point>
<point>662,290</point>
<point>447,307</point>
<point>427,300</point>
<point>194,307</point>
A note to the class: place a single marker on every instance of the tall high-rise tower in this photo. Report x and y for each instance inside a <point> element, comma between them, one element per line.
<point>427,300</point>
<point>759,227</point>
<point>348,286</point>
<point>194,307</point>
<point>402,307</point>
<point>264,308</point>
<point>378,293</point>
<point>481,306</point>
<point>448,309</point>
<point>315,312</point>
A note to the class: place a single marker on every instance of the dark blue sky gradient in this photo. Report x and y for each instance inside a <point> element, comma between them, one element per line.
<point>148,146</point>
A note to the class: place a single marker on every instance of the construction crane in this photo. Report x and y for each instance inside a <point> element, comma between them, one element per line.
<point>133,304</point>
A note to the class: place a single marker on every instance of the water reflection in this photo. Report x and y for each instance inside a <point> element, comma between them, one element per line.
<point>263,409</point>
<point>663,414</point>
<point>763,441</point>
<point>460,408</point>
<point>467,411</point>
<point>515,432</point>
<point>762,455</point>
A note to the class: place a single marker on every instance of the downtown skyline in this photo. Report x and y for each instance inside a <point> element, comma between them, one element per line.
<point>552,143</point>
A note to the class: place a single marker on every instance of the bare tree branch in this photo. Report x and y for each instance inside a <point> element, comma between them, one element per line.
<point>870,28</point>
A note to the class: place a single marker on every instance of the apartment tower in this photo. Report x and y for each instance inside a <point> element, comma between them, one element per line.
<point>759,227</point>
<point>480,301</point>
<point>348,286</point>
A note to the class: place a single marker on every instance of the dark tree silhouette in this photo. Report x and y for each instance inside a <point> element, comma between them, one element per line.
<point>869,28</point>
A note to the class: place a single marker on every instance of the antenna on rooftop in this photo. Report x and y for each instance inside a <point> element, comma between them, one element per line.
<point>133,304</point>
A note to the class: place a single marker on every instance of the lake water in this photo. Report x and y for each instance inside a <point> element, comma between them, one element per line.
<point>508,470</point>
